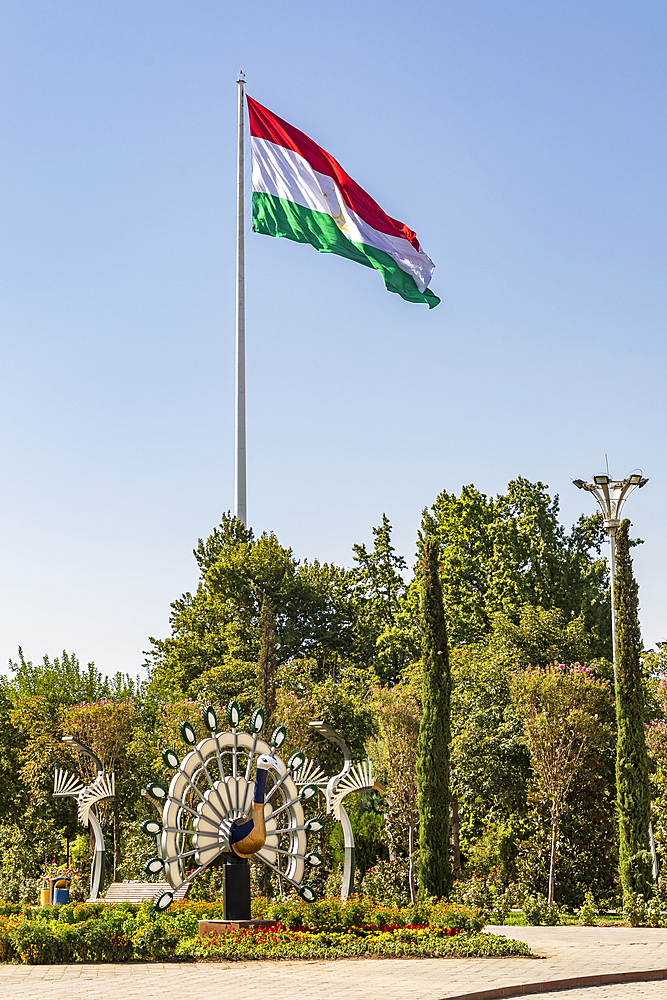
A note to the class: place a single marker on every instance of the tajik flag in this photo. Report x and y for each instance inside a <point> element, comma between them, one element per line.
<point>299,191</point>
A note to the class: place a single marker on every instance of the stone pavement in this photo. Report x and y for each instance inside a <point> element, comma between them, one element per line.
<point>568,952</point>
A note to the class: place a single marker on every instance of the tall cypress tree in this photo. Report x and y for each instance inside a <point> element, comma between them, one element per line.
<point>632,782</point>
<point>435,873</point>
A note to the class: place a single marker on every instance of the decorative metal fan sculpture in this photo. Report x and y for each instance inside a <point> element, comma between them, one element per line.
<point>88,796</point>
<point>232,794</point>
<point>352,778</point>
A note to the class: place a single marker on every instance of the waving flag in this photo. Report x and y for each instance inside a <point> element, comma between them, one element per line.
<point>300,192</point>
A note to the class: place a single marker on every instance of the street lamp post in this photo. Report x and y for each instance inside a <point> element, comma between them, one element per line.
<point>611,494</point>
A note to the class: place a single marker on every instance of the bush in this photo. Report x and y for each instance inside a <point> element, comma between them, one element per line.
<point>334,882</point>
<point>409,941</point>
<point>388,882</point>
<point>489,894</point>
<point>323,929</point>
<point>588,910</point>
<point>362,912</point>
<point>20,862</point>
<point>154,942</point>
<point>536,910</point>
<point>36,944</point>
<point>102,941</point>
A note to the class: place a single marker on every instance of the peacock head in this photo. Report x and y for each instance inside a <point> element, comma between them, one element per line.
<point>266,761</point>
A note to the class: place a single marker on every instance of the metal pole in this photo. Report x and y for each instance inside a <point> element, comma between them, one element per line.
<point>349,866</point>
<point>612,562</point>
<point>240,471</point>
<point>98,868</point>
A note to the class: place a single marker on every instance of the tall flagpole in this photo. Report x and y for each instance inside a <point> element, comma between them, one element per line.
<point>240,477</point>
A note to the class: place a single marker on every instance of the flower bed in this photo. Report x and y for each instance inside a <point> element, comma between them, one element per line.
<point>94,932</point>
<point>398,942</point>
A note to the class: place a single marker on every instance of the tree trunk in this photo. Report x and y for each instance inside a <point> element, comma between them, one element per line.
<point>456,844</point>
<point>552,862</point>
<point>411,869</point>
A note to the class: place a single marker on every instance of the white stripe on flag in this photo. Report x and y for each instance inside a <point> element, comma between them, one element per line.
<point>285,174</point>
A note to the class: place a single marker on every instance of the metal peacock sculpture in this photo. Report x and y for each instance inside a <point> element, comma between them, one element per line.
<point>232,796</point>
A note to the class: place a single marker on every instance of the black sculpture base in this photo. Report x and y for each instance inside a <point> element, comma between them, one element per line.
<point>236,890</point>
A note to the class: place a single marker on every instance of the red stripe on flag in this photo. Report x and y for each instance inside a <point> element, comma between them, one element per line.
<point>265,125</point>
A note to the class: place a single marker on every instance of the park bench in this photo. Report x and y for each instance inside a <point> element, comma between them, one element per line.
<point>139,892</point>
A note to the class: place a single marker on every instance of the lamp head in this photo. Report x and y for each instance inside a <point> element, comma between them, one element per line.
<point>579,483</point>
<point>601,480</point>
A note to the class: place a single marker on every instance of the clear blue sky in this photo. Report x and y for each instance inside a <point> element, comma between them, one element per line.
<point>523,141</point>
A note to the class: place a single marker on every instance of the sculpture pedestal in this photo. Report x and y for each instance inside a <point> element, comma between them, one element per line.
<point>207,927</point>
<point>236,891</point>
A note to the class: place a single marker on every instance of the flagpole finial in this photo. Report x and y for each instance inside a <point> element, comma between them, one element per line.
<point>241,78</point>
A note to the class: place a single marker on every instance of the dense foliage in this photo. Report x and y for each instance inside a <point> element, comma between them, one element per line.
<point>632,782</point>
<point>116,933</point>
<point>432,768</point>
<point>352,645</point>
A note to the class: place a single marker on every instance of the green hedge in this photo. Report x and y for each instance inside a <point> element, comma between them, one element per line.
<point>95,932</point>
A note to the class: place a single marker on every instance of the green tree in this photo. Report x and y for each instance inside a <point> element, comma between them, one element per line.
<point>499,554</point>
<point>381,585</point>
<point>561,710</point>
<point>533,637</point>
<point>311,607</point>
<point>490,764</point>
<point>489,761</point>
<point>106,727</point>
<point>632,778</point>
<point>394,756</point>
<point>35,696</point>
<point>435,873</point>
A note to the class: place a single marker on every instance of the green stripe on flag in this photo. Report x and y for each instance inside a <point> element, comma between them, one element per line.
<point>279,217</point>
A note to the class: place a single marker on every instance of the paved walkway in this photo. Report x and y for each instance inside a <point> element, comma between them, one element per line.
<point>568,952</point>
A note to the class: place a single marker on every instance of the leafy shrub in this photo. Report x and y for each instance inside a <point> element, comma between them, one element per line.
<point>326,928</point>
<point>136,850</point>
<point>588,910</point>
<point>103,941</point>
<point>284,943</point>
<point>536,910</point>
<point>35,943</point>
<point>490,894</point>
<point>153,941</point>
<point>362,912</point>
<point>388,882</point>
<point>7,949</point>
<point>20,864</point>
<point>334,882</point>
